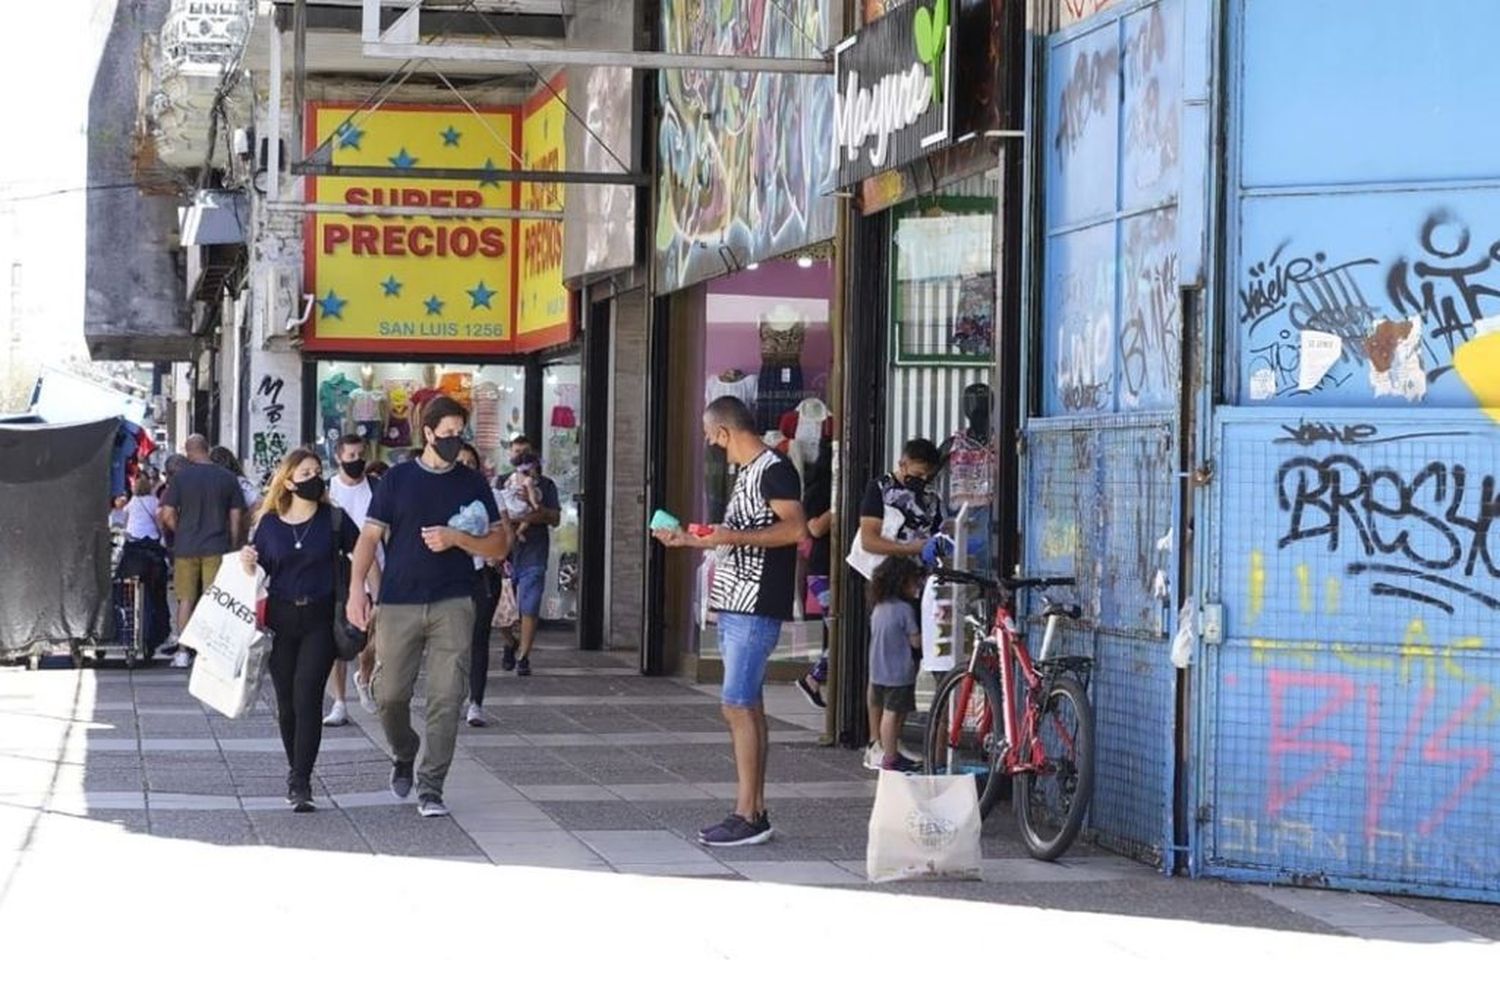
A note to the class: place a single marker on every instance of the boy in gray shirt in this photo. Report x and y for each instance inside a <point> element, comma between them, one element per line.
<point>895,632</point>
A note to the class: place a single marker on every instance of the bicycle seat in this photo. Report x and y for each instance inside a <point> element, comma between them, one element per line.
<point>1064,611</point>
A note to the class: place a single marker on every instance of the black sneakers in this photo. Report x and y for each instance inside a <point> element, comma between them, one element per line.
<point>811,692</point>
<point>523,667</point>
<point>401,779</point>
<point>736,831</point>
<point>508,660</point>
<point>300,797</point>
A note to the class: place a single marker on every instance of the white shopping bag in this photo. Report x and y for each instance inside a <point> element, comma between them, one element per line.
<point>863,560</point>
<point>232,648</point>
<point>923,827</point>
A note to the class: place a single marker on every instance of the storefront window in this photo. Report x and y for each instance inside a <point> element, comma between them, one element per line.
<point>380,401</point>
<point>562,420</point>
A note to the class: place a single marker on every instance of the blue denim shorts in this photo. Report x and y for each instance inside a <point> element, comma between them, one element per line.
<point>529,583</point>
<point>746,644</point>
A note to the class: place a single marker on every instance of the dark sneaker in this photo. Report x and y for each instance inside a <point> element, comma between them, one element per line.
<point>810,692</point>
<point>401,780</point>
<point>431,806</point>
<point>508,661</point>
<point>900,763</point>
<point>736,831</point>
<point>523,667</point>
<point>301,800</point>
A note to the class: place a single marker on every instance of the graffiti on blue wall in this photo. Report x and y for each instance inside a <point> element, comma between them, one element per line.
<point>1389,310</point>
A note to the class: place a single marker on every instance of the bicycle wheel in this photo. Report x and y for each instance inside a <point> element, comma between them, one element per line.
<point>1051,803</point>
<point>972,744</point>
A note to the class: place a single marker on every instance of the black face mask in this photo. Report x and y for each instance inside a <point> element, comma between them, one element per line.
<point>354,468</point>
<point>915,484</point>
<point>311,489</point>
<point>448,448</point>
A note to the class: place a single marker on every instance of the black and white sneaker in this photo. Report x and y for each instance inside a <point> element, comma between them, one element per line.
<point>736,831</point>
<point>431,806</point>
<point>811,692</point>
<point>401,779</point>
<point>300,798</point>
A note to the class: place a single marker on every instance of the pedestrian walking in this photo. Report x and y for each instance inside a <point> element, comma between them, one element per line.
<point>531,551</point>
<point>487,583</point>
<point>297,543</point>
<point>223,456</point>
<point>144,558</point>
<point>350,489</point>
<point>204,510</point>
<point>817,504</point>
<point>755,568</point>
<point>434,516</point>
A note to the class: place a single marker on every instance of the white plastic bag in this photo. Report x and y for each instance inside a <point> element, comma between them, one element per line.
<point>863,560</point>
<point>1185,642</point>
<point>232,648</point>
<point>923,827</point>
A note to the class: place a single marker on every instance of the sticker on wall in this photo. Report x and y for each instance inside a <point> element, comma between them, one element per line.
<point>1395,353</point>
<point>1320,351</point>
<point>1262,384</point>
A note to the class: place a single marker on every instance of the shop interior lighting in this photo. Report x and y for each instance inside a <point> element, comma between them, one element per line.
<point>805,262</point>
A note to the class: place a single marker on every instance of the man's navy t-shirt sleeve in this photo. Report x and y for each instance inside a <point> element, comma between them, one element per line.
<point>235,493</point>
<point>348,534</point>
<point>381,510</point>
<point>549,495</point>
<point>872,505</point>
<point>781,483</point>
<point>170,496</point>
<point>487,496</point>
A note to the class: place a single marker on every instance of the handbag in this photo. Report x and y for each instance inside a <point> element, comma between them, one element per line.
<point>863,560</point>
<point>507,609</point>
<point>348,641</point>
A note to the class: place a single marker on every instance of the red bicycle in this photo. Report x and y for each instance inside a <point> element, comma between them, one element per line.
<point>1008,716</point>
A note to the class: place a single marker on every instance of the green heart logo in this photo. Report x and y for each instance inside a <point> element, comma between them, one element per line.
<point>930,26</point>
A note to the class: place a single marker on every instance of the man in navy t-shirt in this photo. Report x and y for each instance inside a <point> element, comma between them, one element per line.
<point>426,606</point>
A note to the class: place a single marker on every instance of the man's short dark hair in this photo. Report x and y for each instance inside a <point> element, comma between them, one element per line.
<point>521,441</point>
<point>349,439</point>
<point>440,408</point>
<point>731,413</point>
<point>922,451</point>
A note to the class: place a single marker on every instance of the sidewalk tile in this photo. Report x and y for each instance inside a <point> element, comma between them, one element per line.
<point>636,847</point>
<point>568,793</point>
<point>796,872</point>
<point>665,792</point>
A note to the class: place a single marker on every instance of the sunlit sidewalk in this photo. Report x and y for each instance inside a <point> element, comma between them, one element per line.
<point>125,807</point>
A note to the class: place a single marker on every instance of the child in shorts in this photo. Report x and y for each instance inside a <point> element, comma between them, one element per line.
<point>895,635</point>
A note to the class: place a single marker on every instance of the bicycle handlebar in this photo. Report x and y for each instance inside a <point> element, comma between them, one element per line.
<point>997,583</point>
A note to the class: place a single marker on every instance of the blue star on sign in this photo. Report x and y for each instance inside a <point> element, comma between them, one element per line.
<point>451,136</point>
<point>349,136</point>
<point>332,305</point>
<point>480,296</point>
<point>403,159</point>
<point>434,305</point>
<point>489,181</point>
<point>391,286</point>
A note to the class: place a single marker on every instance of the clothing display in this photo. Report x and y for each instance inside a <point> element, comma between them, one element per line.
<point>398,416</point>
<point>733,383</point>
<point>972,467</point>
<point>488,418</point>
<point>974,323</point>
<point>778,390</point>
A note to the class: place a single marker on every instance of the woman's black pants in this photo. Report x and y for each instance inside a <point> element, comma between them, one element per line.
<point>301,660</point>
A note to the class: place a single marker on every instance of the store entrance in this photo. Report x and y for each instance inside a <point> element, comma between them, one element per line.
<point>560,441</point>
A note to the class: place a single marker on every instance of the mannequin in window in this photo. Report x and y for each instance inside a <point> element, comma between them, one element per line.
<point>971,459</point>
<point>718,476</point>
<point>779,384</point>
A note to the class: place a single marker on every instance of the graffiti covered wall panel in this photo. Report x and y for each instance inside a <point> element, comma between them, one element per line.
<point>1151,106</point>
<point>1083,127</point>
<point>745,157</point>
<point>1079,322</point>
<point>1379,299</point>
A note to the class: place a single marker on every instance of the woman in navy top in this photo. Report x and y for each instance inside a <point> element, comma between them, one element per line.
<point>295,544</point>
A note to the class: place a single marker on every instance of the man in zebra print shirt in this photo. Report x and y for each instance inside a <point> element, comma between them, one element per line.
<point>755,567</point>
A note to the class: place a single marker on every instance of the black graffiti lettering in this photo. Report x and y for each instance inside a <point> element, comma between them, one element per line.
<point>1265,292</point>
<point>270,389</point>
<point>1444,288</point>
<point>1311,433</point>
<point>1437,519</point>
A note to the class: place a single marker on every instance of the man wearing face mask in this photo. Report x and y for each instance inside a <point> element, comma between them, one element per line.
<point>351,491</point>
<point>906,491</point>
<point>427,608</point>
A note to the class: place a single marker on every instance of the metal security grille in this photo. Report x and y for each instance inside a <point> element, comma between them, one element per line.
<point>1099,507</point>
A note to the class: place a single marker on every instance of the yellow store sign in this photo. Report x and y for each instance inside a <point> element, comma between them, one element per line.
<point>543,315</point>
<point>413,283</point>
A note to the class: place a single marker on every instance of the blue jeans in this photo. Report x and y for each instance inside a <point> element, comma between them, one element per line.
<point>746,644</point>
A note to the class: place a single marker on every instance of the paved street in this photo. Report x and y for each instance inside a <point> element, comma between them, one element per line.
<point>126,810</point>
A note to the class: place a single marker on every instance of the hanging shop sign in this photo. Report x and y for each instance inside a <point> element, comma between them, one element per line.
<point>893,99</point>
<point>412,284</point>
<point>543,312</point>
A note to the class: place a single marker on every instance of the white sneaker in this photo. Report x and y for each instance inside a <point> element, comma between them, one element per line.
<point>476,716</point>
<point>182,659</point>
<point>874,754</point>
<point>366,696</point>
<point>337,716</point>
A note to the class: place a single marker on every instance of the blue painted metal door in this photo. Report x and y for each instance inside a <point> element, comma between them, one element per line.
<point>1350,718</point>
<point>1101,450</point>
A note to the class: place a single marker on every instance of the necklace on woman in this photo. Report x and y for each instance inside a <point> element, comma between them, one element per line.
<point>297,537</point>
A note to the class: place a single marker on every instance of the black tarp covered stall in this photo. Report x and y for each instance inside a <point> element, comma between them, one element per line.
<point>54,535</point>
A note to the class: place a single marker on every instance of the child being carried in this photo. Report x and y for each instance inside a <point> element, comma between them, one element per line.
<point>522,493</point>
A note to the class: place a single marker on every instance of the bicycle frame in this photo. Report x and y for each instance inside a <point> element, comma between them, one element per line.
<point>1024,751</point>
